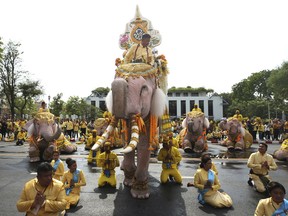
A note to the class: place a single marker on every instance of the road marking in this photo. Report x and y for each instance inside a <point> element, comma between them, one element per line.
<point>187,177</point>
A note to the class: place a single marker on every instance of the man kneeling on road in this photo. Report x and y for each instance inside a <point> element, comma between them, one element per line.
<point>260,163</point>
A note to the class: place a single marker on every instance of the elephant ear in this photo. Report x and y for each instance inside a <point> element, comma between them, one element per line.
<point>158,104</point>
<point>109,101</point>
<point>184,123</point>
<point>206,123</point>
<point>221,125</point>
<point>30,130</point>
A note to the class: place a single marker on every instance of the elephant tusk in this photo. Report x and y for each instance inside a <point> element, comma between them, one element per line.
<point>105,136</point>
<point>134,139</point>
<point>95,147</point>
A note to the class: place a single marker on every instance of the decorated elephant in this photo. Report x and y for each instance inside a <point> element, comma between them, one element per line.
<point>237,137</point>
<point>282,152</point>
<point>136,100</point>
<point>195,125</point>
<point>64,145</point>
<point>42,132</point>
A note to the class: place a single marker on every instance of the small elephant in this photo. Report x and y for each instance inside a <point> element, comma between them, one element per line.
<point>42,132</point>
<point>237,137</point>
<point>282,153</point>
<point>195,138</point>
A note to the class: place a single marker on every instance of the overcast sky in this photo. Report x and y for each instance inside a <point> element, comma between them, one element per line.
<point>71,46</point>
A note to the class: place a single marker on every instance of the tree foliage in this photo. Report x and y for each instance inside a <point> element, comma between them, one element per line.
<point>278,82</point>
<point>11,73</point>
<point>101,91</point>
<point>189,89</point>
<point>57,105</point>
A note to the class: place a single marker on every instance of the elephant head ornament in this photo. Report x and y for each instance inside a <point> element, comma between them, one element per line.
<point>136,100</point>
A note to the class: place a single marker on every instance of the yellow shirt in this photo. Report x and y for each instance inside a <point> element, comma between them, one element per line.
<point>141,53</point>
<point>55,198</point>
<point>256,160</point>
<point>59,171</point>
<point>21,135</point>
<point>200,179</point>
<point>68,176</point>
<point>113,159</point>
<point>69,125</point>
<point>266,207</point>
<point>176,157</point>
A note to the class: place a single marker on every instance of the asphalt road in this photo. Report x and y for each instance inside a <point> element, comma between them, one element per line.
<point>167,200</point>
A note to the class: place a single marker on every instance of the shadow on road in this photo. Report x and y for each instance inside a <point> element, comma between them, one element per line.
<point>164,200</point>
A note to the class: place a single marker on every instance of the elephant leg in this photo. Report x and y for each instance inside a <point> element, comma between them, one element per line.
<point>230,145</point>
<point>140,188</point>
<point>34,154</point>
<point>199,146</point>
<point>129,168</point>
<point>187,146</point>
<point>240,145</point>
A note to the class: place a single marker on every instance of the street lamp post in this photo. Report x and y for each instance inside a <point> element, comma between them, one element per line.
<point>49,101</point>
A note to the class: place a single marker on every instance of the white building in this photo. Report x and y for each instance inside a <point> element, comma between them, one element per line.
<point>179,103</point>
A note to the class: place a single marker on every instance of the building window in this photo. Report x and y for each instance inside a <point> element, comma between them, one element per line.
<point>177,94</point>
<point>93,103</point>
<point>210,108</point>
<point>185,94</point>
<point>169,94</point>
<point>183,107</point>
<point>192,103</point>
<point>194,94</point>
<point>173,108</point>
<point>201,105</point>
<point>102,105</point>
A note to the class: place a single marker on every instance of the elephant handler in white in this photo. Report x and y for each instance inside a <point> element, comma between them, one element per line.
<point>260,164</point>
<point>171,157</point>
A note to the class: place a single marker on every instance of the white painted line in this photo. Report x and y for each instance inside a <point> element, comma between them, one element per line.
<point>187,177</point>
<point>33,173</point>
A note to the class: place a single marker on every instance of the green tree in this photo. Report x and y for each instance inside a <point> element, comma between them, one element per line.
<point>10,73</point>
<point>78,106</point>
<point>101,91</point>
<point>278,82</point>
<point>28,91</point>
<point>1,49</point>
<point>57,105</point>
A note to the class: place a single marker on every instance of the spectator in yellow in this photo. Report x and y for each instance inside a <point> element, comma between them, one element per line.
<point>238,116</point>
<point>274,205</point>
<point>208,186</point>
<point>58,166</point>
<point>73,179</point>
<point>260,163</point>
<point>21,137</point>
<point>140,53</point>
<point>90,142</point>
<point>213,168</point>
<point>171,157</point>
<point>108,160</point>
<point>43,196</point>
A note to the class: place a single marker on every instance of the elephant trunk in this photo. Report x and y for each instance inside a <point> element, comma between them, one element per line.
<point>191,127</point>
<point>119,90</point>
<point>55,136</point>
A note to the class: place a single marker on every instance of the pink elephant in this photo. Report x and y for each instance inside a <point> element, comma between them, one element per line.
<point>237,137</point>
<point>42,132</point>
<point>136,100</point>
<point>282,153</point>
<point>195,139</point>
